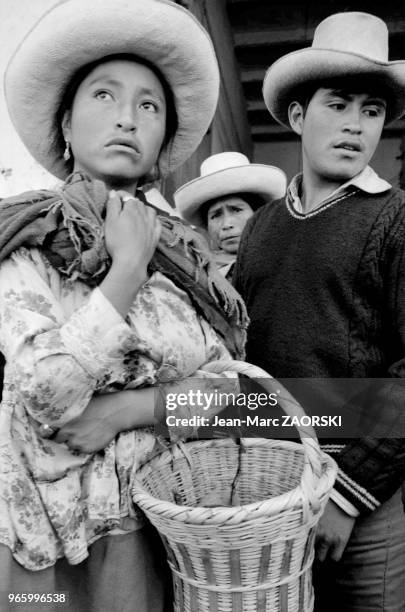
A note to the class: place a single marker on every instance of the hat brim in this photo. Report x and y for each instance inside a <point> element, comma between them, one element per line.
<point>294,70</point>
<point>76,33</point>
<point>268,182</point>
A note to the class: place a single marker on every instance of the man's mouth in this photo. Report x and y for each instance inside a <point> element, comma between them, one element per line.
<point>347,145</point>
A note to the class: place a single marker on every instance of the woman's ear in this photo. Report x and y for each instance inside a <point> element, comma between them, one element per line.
<point>296,117</point>
<point>66,120</point>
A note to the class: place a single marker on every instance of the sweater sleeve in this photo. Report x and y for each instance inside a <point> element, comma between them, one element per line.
<point>371,469</point>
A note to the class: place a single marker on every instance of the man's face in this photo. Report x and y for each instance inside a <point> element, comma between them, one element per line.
<point>340,132</point>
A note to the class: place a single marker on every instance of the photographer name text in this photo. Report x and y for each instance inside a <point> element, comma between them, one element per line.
<point>255,421</point>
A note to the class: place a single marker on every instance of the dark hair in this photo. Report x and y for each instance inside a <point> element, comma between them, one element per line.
<point>253,199</point>
<point>374,85</point>
<point>84,71</point>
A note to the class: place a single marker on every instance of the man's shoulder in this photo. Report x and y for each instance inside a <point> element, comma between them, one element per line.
<point>385,204</point>
<point>265,212</point>
<point>391,203</point>
<point>390,196</point>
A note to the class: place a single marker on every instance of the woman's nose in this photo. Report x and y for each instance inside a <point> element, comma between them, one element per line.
<point>227,221</point>
<point>127,119</point>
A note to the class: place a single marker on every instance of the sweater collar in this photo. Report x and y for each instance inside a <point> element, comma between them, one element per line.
<point>367,180</point>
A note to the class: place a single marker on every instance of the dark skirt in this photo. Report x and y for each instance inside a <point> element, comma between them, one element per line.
<point>123,573</point>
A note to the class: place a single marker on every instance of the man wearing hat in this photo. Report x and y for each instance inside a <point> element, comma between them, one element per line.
<point>224,196</point>
<point>323,276</point>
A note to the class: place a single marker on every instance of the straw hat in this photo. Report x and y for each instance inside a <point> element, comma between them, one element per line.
<point>74,33</point>
<point>224,174</point>
<point>344,44</point>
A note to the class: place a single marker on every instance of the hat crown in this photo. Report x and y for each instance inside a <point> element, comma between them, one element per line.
<point>223,161</point>
<point>353,32</point>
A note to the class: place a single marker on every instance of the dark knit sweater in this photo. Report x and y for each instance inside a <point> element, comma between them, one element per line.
<point>326,296</point>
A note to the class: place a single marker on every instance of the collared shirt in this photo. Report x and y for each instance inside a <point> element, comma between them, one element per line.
<point>367,180</point>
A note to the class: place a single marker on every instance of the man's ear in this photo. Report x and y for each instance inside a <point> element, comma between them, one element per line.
<point>66,131</point>
<point>296,117</point>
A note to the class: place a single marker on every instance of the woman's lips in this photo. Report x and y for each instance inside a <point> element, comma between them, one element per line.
<point>230,239</point>
<point>124,145</point>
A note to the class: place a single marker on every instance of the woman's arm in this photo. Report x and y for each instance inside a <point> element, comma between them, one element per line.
<point>57,362</point>
<point>106,416</point>
<point>109,414</point>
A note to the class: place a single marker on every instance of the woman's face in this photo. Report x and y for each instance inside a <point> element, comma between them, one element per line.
<point>226,219</point>
<point>117,123</point>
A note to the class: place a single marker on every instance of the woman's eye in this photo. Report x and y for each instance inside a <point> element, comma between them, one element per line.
<point>151,107</point>
<point>103,95</point>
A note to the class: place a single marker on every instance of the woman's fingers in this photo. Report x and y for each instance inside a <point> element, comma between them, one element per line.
<point>114,204</point>
<point>157,229</point>
<point>132,230</point>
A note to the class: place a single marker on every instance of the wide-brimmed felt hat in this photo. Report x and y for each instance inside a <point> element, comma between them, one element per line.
<point>75,33</point>
<point>226,174</point>
<point>351,44</point>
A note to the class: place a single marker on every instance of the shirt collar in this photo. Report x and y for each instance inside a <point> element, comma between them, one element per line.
<point>367,180</point>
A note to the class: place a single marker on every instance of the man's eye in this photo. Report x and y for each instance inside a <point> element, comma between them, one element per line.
<point>337,105</point>
<point>373,111</point>
<point>103,95</point>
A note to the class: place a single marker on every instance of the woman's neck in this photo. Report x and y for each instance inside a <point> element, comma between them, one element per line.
<point>113,183</point>
<point>121,186</point>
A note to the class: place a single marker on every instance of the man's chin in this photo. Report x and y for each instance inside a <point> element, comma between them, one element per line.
<point>345,172</point>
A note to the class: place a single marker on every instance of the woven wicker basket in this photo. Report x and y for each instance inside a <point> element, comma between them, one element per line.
<point>254,557</point>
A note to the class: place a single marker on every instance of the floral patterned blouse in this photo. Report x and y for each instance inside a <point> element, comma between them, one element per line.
<point>63,342</point>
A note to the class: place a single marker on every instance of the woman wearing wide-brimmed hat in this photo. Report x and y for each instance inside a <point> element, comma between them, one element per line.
<point>224,196</point>
<point>98,294</point>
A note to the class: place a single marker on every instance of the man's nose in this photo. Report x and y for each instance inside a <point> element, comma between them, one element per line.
<point>353,120</point>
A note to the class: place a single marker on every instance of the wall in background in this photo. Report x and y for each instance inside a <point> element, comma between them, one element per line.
<point>18,170</point>
<point>287,156</point>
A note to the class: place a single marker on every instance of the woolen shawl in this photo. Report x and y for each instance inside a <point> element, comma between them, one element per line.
<point>68,226</point>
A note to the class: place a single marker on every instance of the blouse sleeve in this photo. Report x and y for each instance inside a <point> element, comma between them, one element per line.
<point>55,362</point>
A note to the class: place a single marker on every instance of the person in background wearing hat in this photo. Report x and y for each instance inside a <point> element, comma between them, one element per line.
<point>224,196</point>
<point>323,276</point>
<point>97,295</point>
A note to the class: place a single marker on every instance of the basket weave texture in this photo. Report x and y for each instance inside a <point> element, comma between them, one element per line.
<point>252,557</point>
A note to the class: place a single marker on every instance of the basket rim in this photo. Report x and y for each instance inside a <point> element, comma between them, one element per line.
<point>290,501</point>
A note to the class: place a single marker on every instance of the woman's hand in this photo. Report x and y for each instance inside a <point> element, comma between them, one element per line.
<point>106,416</point>
<point>94,429</point>
<point>132,231</point>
